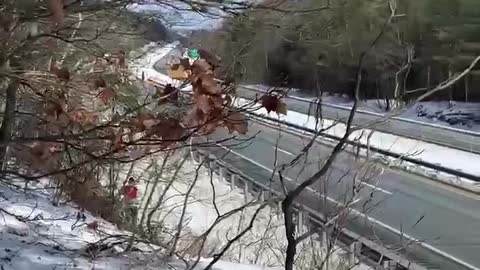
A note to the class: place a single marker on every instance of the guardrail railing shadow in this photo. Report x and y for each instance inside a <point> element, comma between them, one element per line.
<point>356,247</point>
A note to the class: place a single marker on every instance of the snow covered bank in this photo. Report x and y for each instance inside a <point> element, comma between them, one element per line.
<point>461,116</point>
<point>436,154</point>
<point>38,235</point>
<point>207,214</point>
<point>183,17</point>
<point>423,151</point>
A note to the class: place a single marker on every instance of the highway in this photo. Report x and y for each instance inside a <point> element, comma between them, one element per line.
<point>443,217</point>
<point>396,202</point>
<point>450,138</point>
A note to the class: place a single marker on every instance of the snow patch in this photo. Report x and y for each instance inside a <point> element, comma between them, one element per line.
<point>423,151</point>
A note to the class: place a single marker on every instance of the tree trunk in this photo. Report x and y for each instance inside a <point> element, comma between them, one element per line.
<point>8,120</point>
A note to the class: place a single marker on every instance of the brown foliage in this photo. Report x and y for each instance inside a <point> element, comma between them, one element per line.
<point>84,118</point>
<point>7,22</point>
<point>212,59</point>
<point>92,225</point>
<point>99,83</point>
<point>178,72</point>
<point>56,9</point>
<point>143,121</point>
<point>236,122</point>
<point>273,103</point>
<point>210,106</point>
<point>61,72</point>
<point>169,94</point>
<point>169,130</point>
<point>106,95</point>
<point>43,151</point>
<point>54,108</point>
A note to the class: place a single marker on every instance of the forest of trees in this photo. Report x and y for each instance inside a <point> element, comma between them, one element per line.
<point>76,112</point>
<point>316,51</point>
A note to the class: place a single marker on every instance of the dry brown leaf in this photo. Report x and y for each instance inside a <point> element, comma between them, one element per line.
<point>99,83</point>
<point>122,59</point>
<point>209,128</point>
<point>194,118</point>
<point>200,66</point>
<point>42,152</point>
<point>203,103</point>
<point>143,121</point>
<point>236,122</point>
<point>61,72</point>
<point>208,85</point>
<point>281,107</point>
<point>169,93</point>
<point>106,95</point>
<point>84,118</point>
<point>7,22</point>
<point>53,109</point>
<point>185,63</point>
<point>56,9</point>
<point>211,58</point>
<point>178,72</point>
<point>169,130</point>
<point>116,138</point>
<point>92,225</point>
<point>273,103</point>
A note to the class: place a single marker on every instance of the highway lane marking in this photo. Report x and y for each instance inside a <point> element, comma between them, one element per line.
<point>373,220</point>
<point>376,188</point>
<point>283,151</point>
<point>424,178</point>
<point>361,182</point>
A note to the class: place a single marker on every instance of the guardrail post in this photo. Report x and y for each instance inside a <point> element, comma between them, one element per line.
<point>355,249</point>
<point>245,190</point>
<point>200,157</point>
<point>262,195</point>
<point>389,265</point>
<point>300,222</point>
<point>221,174</point>
<point>324,239</point>
<point>233,178</point>
<point>211,167</point>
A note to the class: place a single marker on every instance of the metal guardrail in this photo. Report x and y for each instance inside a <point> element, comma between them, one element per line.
<point>356,246</point>
<point>345,108</point>
<point>367,249</point>
<point>375,149</point>
<point>378,150</point>
<point>470,143</point>
<point>372,148</point>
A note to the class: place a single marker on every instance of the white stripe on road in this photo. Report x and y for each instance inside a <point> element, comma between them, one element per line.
<point>356,212</point>
<point>361,182</point>
<point>376,188</point>
<point>284,151</point>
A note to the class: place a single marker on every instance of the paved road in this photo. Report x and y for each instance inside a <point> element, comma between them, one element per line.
<point>446,218</point>
<point>436,135</point>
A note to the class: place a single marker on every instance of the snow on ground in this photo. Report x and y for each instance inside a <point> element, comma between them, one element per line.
<point>458,160</point>
<point>145,58</point>
<point>264,245</point>
<point>35,234</point>
<point>184,18</point>
<point>40,235</point>
<point>459,115</point>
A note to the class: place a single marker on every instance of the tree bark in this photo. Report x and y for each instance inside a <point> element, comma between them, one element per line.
<point>8,120</point>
